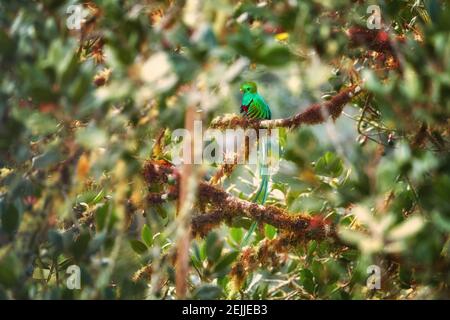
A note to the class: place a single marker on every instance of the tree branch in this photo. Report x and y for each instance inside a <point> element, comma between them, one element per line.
<point>217,206</point>
<point>315,114</point>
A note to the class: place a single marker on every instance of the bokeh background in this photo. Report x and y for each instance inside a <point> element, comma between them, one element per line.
<point>81,111</point>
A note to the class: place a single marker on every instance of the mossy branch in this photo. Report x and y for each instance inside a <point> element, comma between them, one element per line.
<point>315,114</point>
<point>217,206</point>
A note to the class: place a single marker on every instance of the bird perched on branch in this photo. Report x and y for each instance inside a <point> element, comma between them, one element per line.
<point>253,106</point>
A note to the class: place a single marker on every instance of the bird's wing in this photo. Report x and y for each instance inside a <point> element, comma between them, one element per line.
<point>259,109</point>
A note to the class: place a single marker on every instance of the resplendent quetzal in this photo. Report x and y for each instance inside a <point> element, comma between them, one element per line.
<point>254,106</point>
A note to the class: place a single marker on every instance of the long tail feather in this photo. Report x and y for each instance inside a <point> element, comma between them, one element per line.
<point>249,234</point>
<point>263,190</point>
<point>261,194</point>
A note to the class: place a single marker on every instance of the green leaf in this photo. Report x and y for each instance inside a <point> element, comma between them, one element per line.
<point>317,268</point>
<point>225,261</point>
<point>236,234</point>
<point>56,241</point>
<point>276,55</point>
<point>46,159</point>
<point>161,211</point>
<point>441,222</point>
<point>98,197</point>
<point>97,242</point>
<point>86,196</point>
<point>312,247</point>
<point>329,165</point>
<point>101,215</point>
<point>138,246</point>
<point>307,280</point>
<point>80,245</point>
<point>213,246</point>
<point>405,276</point>
<point>9,270</point>
<point>208,292</point>
<point>10,218</point>
<point>196,255</point>
<point>40,123</point>
<point>196,252</point>
<point>270,231</point>
<point>146,235</point>
<point>91,137</point>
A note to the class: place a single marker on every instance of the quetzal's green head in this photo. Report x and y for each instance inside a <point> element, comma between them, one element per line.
<point>248,87</point>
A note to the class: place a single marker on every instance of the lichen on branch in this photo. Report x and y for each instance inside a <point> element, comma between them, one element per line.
<point>216,206</point>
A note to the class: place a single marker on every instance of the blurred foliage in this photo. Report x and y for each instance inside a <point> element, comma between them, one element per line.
<point>80,111</point>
